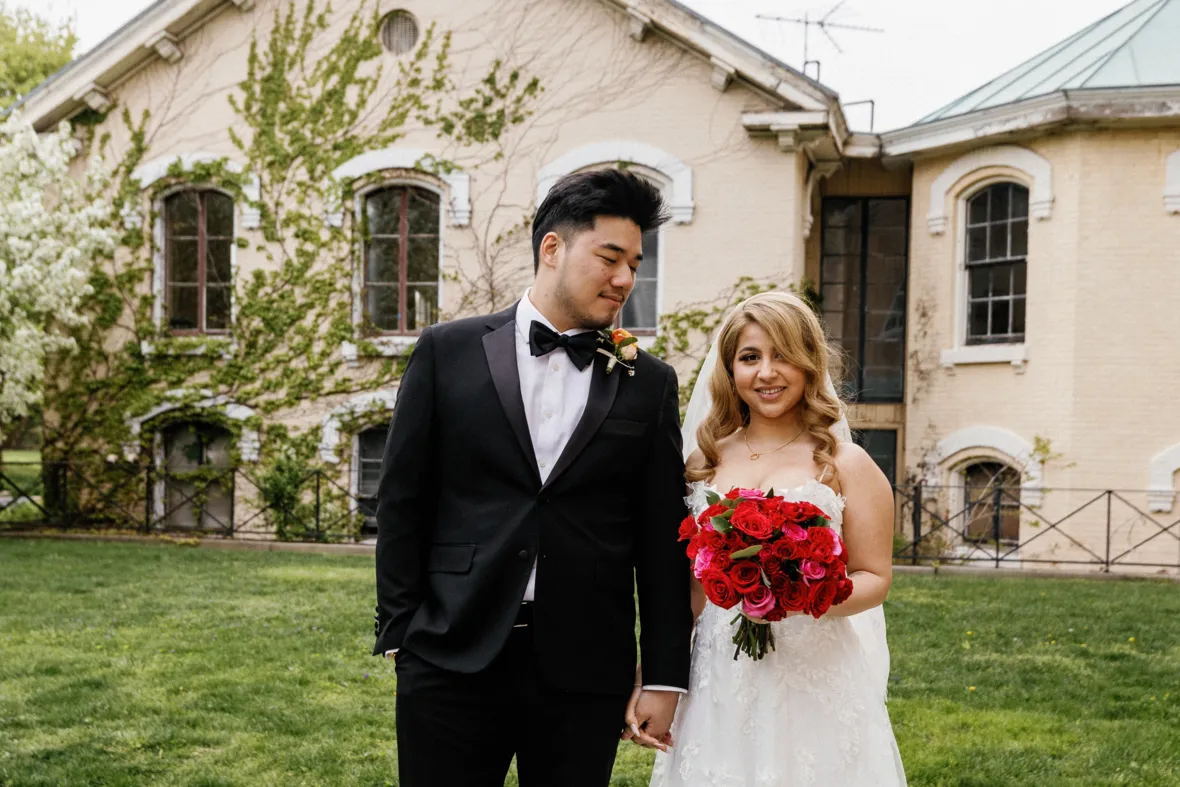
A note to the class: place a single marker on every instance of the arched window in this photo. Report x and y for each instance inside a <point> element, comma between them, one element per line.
<point>991,502</point>
<point>996,259</point>
<point>191,499</point>
<point>198,244</point>
<point>370,447</point>
<point>401,265</point>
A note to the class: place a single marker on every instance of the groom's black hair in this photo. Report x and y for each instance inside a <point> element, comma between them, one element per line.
<point>576,201</point>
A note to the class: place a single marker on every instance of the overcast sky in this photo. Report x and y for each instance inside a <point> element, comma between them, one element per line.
<point>932,51</point>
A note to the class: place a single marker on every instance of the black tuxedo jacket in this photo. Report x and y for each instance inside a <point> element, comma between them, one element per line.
<point>462,514</point>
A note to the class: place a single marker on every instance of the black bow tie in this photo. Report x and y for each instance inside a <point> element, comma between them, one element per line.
<point>580,347</point>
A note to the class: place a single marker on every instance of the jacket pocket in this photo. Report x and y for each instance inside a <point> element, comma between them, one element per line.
<point>450,558</point>
<point>623,427</point>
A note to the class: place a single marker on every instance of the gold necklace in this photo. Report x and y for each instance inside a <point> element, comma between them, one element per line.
<point>755,456</point>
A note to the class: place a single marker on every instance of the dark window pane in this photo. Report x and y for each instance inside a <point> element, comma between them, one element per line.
<point>887,213</point>
<point>1020,271</point>
<point>1018,317</point>
<point>381,259</point>
<point>421,306</point>
<point>183,214</point>
<point>842,240</point>
<point>997,248</point>
<point>182,308</point>
<point>980,282</point>
<point>1000,312</point>
<point>1020,238</point>
<point>219,215</point>
<point>1000,202</point>
<point>381,307</point>
<point>886,270</point>
<point>977,209</point>
<point>835,268</point>
<point>422,260</point>
<point>841,213</point>
<point>881,298</point>
<point>977,243</point>
<point>649,268</point>
<point>182,261</point>
<point>1001,280</point>
<point>977,319</point>
<point>835,296</point>
<point>217,302</point>
<point>423,212</point>
<point>881,445</point>
<point>217,267</point>
<point>383,209</point>
<point>1019,202</point>
<point>640,310</point>
<point>371,448</point>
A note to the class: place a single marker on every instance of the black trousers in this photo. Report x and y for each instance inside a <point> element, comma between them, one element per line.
<point>456,730</point>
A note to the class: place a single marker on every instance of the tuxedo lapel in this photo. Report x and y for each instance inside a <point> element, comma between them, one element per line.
<point>500,348</point>
<point>603,389</point>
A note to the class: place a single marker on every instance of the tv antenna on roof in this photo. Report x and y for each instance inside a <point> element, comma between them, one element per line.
<point>824,26</point>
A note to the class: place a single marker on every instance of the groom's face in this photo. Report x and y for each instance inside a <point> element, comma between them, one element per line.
<point>596,270</point>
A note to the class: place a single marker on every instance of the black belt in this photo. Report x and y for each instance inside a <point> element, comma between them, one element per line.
<point>524,615</point>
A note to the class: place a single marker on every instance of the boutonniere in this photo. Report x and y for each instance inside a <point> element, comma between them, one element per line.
<point>622,350</point>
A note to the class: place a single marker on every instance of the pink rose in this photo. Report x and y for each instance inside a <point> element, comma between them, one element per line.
<point>704,559</point>
<point>812,570</point>
<point>794,532</point>
<point>751,494</point>
<point>758,602</point>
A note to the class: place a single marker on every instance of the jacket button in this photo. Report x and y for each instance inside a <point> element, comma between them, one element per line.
<point>524,554</point>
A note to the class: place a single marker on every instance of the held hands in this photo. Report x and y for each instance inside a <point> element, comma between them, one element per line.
<point>648,720</point>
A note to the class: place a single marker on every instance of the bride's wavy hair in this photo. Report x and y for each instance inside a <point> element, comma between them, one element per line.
<point>797,335</point>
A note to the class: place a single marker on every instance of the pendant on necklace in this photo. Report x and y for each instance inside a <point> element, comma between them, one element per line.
<point>754,457</point>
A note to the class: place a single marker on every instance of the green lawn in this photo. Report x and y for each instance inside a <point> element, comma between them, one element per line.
<point>131,665</point>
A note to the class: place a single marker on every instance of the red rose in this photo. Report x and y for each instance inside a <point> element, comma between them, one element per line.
<point>733,494</point>
<point>688,529</point>
<point>772,564</point>
<point>718,588</point>
<point>801,513</point>
<point>789,549</point>
<point>745,575</point>
<point>711,539</point>
<point>825,544</point>
<point>794,596</point>
<point>721,561</point>
<point>823,594</point>
<point>779,584</point>
<point>714,510</point>
<point>843,591</point>
<point>776,614</point>
<point>751,521</point>
<point>694,546</point>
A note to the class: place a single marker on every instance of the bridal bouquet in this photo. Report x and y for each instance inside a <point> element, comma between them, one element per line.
<point>771,556</point>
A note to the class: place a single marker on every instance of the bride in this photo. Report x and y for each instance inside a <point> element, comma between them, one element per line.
<point>812,712</point>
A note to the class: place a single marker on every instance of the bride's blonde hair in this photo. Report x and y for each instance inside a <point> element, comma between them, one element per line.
<point>797,335</point>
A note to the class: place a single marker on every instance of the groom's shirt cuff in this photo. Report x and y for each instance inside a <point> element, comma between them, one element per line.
<point>390,652</point>
<point>665,688</point>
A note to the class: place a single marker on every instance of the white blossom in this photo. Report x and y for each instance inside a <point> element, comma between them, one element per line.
<point>53,228</point>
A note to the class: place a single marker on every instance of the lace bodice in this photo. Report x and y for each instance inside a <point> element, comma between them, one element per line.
<point>813,491</point>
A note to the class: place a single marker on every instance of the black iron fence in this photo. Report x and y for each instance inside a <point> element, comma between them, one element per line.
<point>1000,526</point>
<point>315,504</point>
<point>992,525</point>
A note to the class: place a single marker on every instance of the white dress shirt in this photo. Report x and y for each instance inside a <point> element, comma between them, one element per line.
<point>555,395</point>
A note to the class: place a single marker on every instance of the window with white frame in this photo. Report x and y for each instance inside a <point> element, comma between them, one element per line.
<point>198,248</point>
<point>641,312</point>
<point>991,502</point>
<point>996,259</point>
<point>400,286</point>
<point>370,448</point>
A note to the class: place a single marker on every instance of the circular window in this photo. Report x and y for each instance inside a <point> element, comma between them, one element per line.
<point>399,32</point>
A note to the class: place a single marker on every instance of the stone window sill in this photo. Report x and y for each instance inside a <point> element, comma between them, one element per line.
<point>1014,354</point>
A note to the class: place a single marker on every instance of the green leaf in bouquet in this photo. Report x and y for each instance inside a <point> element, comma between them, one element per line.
<point>627,341</point>
<point>747,552</point>
<point>819,521</point>
<point>770,494</point>
<point>721,524</point>
<point>711,497</point>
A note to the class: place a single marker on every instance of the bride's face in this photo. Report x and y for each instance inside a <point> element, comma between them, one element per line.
<point>769,385</point>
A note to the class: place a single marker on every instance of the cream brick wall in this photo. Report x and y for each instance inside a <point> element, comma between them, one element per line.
<point>599,85</point>
<point>1103,275</point>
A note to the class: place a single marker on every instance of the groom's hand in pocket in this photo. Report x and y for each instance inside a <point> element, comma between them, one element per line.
<point>649,718</point>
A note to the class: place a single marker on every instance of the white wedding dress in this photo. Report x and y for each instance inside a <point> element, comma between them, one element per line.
<point>810,714</point>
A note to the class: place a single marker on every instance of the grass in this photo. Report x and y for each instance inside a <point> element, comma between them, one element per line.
<point>127,664</point>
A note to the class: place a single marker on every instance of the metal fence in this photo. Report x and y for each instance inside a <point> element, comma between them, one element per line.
<point>309,505</point>
<point>1108,529</point>
<point>993,525</point>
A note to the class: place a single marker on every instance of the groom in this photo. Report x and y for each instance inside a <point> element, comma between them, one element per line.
<point>525,493</point>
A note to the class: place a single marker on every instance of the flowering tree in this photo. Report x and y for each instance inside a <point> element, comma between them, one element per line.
<point>52,227</point>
